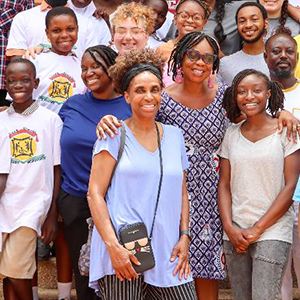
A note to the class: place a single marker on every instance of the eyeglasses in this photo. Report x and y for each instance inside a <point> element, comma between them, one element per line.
<point>185,16</point>
<point>195,55</point>
<point>134,31</point>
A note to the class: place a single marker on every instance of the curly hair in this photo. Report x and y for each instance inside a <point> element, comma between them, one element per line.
<point>129,60</point>
<point>281,31</point>
<point>275,102</point>
<point>107,54</point>
<point>207,8</point>
<point>189,41</point>
<point>136,11</point>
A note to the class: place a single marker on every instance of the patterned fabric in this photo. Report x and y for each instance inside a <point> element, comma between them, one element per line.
<point>203,131</point>
<point>8,9</point>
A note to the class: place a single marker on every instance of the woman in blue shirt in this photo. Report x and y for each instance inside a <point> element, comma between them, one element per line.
<point>131,196</point>
<point>80,115</point>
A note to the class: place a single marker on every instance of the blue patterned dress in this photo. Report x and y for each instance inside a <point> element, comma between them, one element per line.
<point>203,131</point>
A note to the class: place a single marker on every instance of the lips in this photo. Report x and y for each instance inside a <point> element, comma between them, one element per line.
<point>283,64</point>
<point>251,105</point>
<point>197,72</point>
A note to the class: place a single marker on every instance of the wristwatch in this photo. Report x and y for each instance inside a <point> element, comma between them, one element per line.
<point>186,232</point>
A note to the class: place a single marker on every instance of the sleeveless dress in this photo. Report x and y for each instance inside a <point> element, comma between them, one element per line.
<point>203,131</point>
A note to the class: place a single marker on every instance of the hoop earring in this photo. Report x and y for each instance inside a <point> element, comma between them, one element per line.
<point>179,76</point>
<point>210,84</point>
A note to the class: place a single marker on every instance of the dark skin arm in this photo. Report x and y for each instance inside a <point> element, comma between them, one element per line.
<point>103,163</point>
<point>49,229</point>
<point>3,178</point>
<point>283,201</point>
<point>235,234</point>
<point>182,246</point>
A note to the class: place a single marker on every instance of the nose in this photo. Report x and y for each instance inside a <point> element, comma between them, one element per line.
<point>248,23</point>
<point>249,95</point>
<point>283,54</point>
<point>128,35</point>
<point>148,95</point>
<point>89,72</point>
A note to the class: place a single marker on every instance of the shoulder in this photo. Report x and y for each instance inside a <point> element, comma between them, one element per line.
<point>27,13</point>
<point>47,115</point>
<point>229,58</point>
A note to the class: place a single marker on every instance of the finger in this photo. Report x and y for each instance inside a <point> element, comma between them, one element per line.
<point>187,271</point>
<point>295,133</point>
<point>174,254</point>
<point>126,272</point>
<point>132,272</point>
<point>117,123</point>
<point>100,133</point>
<point>178,266</point>
<point>119,276</point>
<point>182,270</point>
<point>107,129</point>
<point>134,260</point>
<point>289,130</point>
<point>280,126</point>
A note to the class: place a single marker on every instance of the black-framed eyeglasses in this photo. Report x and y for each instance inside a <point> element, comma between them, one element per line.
<point>194,55</point>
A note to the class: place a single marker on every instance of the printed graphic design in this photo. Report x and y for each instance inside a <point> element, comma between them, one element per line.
<point>24,144</point>
<point>60,89</point>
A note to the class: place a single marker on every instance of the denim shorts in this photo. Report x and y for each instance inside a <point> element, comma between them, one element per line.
<point>257,274</point>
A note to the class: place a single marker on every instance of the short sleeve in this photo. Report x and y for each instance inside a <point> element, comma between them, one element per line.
<point>296,196</point>
<point>184,158</point>
<point>111,145</point>
<point>5,157</point>
<point>56,140</point>
<point>289,147</point>
<point>224,147</point>
<point>17,36</point>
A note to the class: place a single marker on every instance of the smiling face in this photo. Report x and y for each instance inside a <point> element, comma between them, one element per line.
<point>198,71</point>
<point>160,8</point>
<point>273,7</point>
<point>189,18</point>
<point>20,82</point>
<point>62,33</point>
<point>281,56</point>
<point>144,95</point>
<point>93,75</point>
<point>251,24</point>
<point>252,95</point>
<point>129,35</point>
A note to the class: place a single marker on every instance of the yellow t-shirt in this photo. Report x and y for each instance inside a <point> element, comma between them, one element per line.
<point>297,70</point>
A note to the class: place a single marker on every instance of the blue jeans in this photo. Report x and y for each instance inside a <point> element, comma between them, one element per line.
<point>257,274</point>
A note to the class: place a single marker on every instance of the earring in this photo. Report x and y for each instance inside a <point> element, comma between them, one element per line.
<point>179,76</point>
<point>210,81</point>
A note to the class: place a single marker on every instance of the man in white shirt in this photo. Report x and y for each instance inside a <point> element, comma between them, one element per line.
<point>252,23</point>
<point>28,30</point>
<point>281,57</point>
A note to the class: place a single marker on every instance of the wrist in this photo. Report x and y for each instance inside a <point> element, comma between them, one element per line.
<point>185,234</point>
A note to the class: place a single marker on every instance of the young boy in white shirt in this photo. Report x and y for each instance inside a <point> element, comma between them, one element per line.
<point>27,205</point>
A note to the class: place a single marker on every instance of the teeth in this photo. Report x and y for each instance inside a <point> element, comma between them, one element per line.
<point>251,105</point>
<point>250,32</point>
<point>149,106</point>
<point>189,27</point>
<point>198,72</point>
<point>92,81</point>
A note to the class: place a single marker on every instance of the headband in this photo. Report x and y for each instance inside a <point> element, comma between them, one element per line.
<point>137,69</point>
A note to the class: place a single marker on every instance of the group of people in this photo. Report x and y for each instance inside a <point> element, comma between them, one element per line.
<point>207,158</point>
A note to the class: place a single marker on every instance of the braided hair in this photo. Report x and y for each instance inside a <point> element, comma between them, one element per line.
<point>284,13</point>
<point>220,12</point>
<point>189,41</point>
<point>275,102</point>
<point>203,4</point>
<point>107,54</point>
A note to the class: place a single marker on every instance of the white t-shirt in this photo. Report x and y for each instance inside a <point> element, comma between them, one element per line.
<point>153,43</point>
<point>59,80</point>
<point>35,150</point>
<point>28,30</point>
<point>164,29</point>
<point>4,150</point>
<point>102,30</point>
<point>292,104</point>
<point>257,178</point>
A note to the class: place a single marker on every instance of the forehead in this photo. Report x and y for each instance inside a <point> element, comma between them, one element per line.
<point>62,20</point>
<point>87,58</point>
<point>252,79</point>
<point>158,5</point>
<point>204,47</point>
<point>129,23</point>
<point>145,78</point>
<point>191,6</point>
<point>250,11</point>
<point>19,68</point>
<point>281,41</point>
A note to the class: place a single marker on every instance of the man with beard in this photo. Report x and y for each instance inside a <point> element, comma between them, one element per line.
<point>28,30</point>
<point>281,57</point>
<point>252,23</point>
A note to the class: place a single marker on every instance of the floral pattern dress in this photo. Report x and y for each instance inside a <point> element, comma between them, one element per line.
<point>203,131</point>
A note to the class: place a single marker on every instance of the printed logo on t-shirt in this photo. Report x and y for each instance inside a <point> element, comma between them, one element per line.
<point>60,89</point>
<point>23,145</point>
<point>172,5</point>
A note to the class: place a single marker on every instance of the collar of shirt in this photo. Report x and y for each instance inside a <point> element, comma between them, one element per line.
<point>29,110</point>
<point>47,49</point>
<point>44,5</point>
